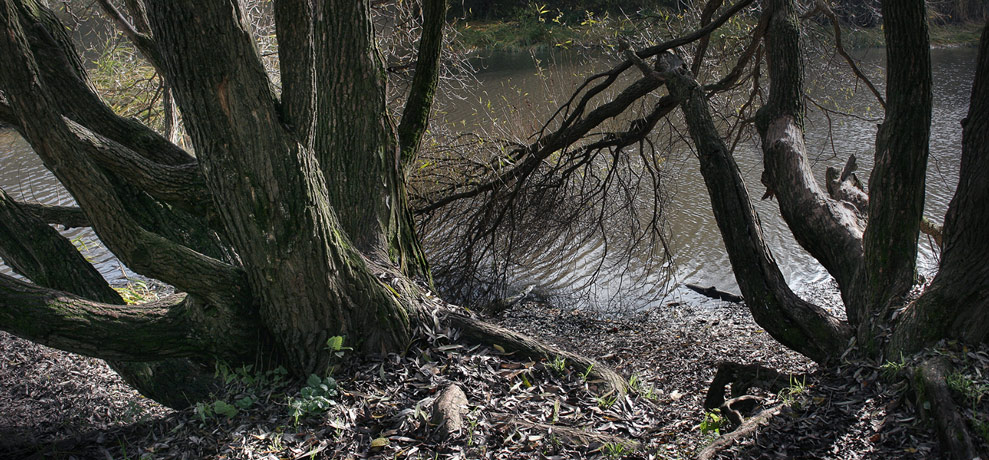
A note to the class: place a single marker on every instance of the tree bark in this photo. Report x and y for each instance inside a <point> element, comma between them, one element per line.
<point>796,323</point>
<point>897,182</point>
<point>828,229</point>
<point>956,304</point>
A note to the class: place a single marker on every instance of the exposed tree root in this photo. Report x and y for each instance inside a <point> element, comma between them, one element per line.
<point>742,377</point>
<point>475,330</point>
<point>934,401</point>
<point>746,429</point>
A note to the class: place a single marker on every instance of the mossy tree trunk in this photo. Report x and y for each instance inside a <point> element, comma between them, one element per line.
<point>300,199</point>
<point>289,226</point>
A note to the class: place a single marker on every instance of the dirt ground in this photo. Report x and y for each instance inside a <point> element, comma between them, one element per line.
<point>59,405</point>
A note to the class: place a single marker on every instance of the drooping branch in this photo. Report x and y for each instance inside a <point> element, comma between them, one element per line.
<point>296,62</point>
<point>415,116</point>
<point>824,8</point>
<point>828,229</point>
<point>35,250</point>
<point>897,182</point>
<point>794,322</point>
<point>57,319</point>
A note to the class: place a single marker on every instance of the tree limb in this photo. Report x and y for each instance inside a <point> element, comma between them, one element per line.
<point>66,216</point>
<point>141,40</point>
<point>296,61</point>
<point>828,229</point>
<point>792,321</point>
<point>415,116</point>
<point>897,182</point>
<point>181,185</point>
<point>57,319</point>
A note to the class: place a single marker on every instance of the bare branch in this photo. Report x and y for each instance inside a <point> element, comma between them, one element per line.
<point>142,41</point>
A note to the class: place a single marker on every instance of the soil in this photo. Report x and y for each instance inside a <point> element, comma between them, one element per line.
<point>59,405</point>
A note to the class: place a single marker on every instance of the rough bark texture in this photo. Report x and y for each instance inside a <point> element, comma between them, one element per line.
<point>956,304</point>
<point>796,323</point>
<point>828,229</point>
<point>309,281</point>
<point>356,143</point>
<point>896,185</point>
<point>37,251</point>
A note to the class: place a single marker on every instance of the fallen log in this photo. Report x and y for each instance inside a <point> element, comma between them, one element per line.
<point>714,293</point>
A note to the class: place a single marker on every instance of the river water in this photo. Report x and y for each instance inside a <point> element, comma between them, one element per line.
<point>698,254</point>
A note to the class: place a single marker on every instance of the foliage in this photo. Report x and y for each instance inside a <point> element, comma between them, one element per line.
<point>713,422</point>
<point>136,291</point>
<point>314,398</point>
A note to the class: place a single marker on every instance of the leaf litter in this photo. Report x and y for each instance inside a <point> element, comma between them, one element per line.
<point>59,405</point>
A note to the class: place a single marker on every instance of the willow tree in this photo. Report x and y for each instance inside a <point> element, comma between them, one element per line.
<point>865,237</point>
<point>866,240</point>
<point>288,226</point>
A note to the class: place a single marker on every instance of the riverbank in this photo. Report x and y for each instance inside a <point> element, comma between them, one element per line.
<point>57,405</point>
<point>531,34</point>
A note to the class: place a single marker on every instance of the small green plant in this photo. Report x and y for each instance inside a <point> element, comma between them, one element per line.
<point>314,398</point>
<point>892,369</point>
<point>607,400</point>
<point>982,428</point>
<point>638,386</point>
<point>559,364</point>
<point>586,373</point>
<point>789,394</point>
<point>217,408</point>
<point>965,386</point>
<point>615,449</point>
<point>713,422</point>
<point>136,291</point>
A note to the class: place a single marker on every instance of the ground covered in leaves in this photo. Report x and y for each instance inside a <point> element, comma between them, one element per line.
<point>58,405</point>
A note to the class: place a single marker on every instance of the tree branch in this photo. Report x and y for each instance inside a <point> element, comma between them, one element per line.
<point>828,229</point>
<point>61,320</point>
<point>142,41</point>
<point>66,216</point>
<point>296,60</point>
<point>792,321</point>
<point>415,116</point>
<point>35,250</point>
<point>64,154</point>
<point>181,185</point>
<point>896,185</point>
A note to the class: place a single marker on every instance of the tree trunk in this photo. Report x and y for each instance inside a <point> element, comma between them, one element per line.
<point>956,304</point>
<point>896,185</point>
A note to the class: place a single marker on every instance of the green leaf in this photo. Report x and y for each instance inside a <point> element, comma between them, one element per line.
<point>379,442</point>
<point>224,409</point>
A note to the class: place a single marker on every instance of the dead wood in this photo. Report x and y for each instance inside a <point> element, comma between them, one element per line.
<point>576,436</point>
<point>449,409</point>
<point>934,401</point>
<point>714,293</point>
<point>603,377</point>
